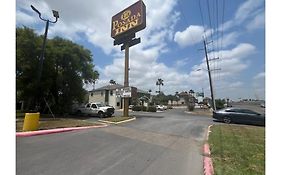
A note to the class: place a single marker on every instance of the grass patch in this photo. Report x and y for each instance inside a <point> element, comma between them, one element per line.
<point>117,119</point>
<point>238,149</point>
<point>57,123</point>
<point>201,112</point>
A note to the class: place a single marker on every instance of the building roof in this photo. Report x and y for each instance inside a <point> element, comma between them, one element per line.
<point>142,91</point>
<point>183,94</point>
<point>109,87</point>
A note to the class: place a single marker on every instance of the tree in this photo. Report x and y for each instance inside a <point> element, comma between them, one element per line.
<point>159,83</point>
<point>112,82</point>
<point>177,98</point>
<point>27,59</point>
<point>160,98</point>
<point>67,67</point>
<point>191,92</point>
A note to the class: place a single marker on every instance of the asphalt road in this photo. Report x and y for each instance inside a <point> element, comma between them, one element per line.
<point>155,143</point>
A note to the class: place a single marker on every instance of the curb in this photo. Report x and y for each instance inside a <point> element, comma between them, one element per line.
<point>52,131</point>
<point>116,123</point>
<point>207,160</point>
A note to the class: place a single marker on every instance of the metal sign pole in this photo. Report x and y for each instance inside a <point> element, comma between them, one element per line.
<point>126,80</point>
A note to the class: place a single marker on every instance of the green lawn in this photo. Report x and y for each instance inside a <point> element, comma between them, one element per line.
<point>57,123</point>
<point>237,150</point>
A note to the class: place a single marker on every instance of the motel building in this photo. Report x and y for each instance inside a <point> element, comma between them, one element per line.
<point>110,95</point>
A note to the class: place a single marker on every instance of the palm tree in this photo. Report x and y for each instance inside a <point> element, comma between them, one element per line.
<point>159,82</point>
<point>177,97</point>
<point>112,82</point>
<point>191,92</point>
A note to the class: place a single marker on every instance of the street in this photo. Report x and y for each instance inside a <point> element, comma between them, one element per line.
<point>168,142</point>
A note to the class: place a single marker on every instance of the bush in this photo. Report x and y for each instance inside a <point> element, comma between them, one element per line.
<point>143,108</point>
<point>151,109</point>
<point>191,107</point>
<point>137,108</point>
<point>220,103</point>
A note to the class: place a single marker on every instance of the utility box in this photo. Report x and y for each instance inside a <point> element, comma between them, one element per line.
<point>31,122</point>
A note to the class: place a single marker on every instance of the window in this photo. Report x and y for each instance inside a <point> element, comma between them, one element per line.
<point>111,93</point>
<point>94,106</point>
<point>92,94</point>
<point>88,105</point>
<point>101,93</point>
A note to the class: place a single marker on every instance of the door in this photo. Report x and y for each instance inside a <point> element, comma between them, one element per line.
<point>94,109</point>
<point>87,108</point>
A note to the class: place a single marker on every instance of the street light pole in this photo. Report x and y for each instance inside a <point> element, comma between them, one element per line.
<point>56,15</point>
<point>43,53</point>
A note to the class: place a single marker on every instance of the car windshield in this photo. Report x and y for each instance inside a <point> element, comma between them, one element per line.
<point>100,105</point>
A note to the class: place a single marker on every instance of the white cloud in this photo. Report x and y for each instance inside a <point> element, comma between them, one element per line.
<point>257,23</point>
<point>227,40</point>
<point>232,63</point>
<point>181,62</point>
<point>191,35</point>
<point>259,76</point>
<point>258,85</point>
<point>248,7</point>
<point>248,10</point>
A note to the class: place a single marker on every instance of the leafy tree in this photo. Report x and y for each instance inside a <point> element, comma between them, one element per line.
<point>67,67</point>
<point>27,60</point>
<point>220,103</point>
<point>160,98</point>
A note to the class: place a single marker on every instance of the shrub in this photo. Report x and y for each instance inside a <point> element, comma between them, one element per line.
<point>143,108</point>
<point>136,108</point>
<point>151,109</point>
<point>220,103</point>
<point>191,107</point>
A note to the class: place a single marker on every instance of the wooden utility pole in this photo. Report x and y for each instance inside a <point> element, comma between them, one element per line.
<point>210,77</point>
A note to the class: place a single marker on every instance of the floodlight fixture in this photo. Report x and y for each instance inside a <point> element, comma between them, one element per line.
<point>37,11</point>
<point>55,13</point>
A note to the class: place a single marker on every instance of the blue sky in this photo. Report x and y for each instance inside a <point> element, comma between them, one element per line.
<point>170,42</point>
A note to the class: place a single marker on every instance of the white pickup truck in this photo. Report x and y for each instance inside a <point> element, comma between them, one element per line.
<point>96,109</point>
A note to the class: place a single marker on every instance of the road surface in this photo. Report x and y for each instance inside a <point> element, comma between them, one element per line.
<point>163,143</point>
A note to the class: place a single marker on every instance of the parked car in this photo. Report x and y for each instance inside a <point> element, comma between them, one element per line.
<point>238,115</point>
<point>96,109</point>
<point>160,107</point>
<point>131,106</point>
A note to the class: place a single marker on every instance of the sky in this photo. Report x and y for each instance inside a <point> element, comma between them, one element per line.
<point>171,45</point>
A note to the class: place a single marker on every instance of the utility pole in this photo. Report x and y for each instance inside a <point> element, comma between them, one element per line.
<point>210,77</point>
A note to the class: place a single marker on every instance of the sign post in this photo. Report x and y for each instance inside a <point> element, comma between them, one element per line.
<point>126,80</point>
<point>123,28</point>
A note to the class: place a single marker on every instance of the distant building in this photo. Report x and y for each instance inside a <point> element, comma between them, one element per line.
<point>110,95</point>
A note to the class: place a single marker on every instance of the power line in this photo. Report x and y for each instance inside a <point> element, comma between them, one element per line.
<point>202,19</point>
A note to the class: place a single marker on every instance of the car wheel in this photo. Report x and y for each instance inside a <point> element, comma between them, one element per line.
<point>227,120</point>
<point>101,114</point>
